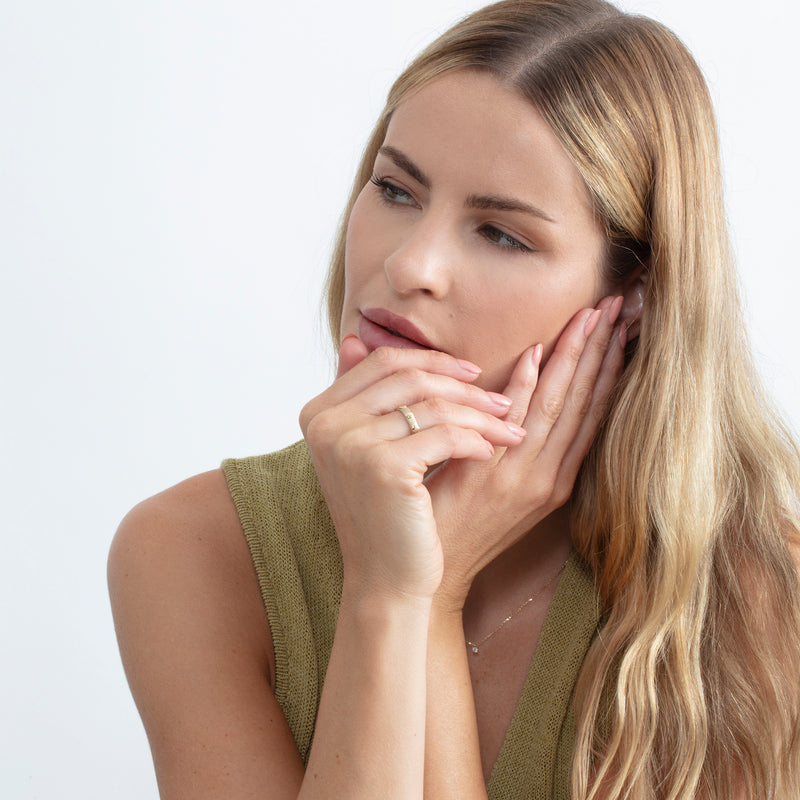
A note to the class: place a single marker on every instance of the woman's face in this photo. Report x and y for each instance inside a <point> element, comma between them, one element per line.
<point>476,236</point>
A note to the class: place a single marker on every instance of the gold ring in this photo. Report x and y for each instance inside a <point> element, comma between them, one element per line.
<point>410,418</point>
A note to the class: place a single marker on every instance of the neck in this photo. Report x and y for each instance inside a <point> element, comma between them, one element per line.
<point>523,568</point>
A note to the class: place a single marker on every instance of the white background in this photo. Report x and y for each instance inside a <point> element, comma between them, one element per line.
<point>171,174</point>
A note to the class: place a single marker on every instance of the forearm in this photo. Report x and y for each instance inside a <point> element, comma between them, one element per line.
<point>369,739</point>
<point>452,753</point>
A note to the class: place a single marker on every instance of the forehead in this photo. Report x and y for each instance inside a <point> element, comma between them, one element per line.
<point>471,132</point>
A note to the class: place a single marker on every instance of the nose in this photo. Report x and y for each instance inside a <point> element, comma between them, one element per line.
<point>423,259</point>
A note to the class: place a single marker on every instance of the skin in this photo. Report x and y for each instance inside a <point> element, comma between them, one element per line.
<point>460,273</point>
<point>418,248</point>
<point>441,532</point>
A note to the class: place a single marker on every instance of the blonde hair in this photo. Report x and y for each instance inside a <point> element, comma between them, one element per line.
<point>686,508</point>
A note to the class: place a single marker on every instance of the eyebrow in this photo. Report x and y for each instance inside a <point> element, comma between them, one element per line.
<point>505,204</point>
<point>406,164</point>
<point>476,201</point>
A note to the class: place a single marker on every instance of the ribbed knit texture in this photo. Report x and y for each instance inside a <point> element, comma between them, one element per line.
<point>299,566</point>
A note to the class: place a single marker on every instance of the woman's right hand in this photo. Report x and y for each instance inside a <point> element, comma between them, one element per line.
<point>371,469</point>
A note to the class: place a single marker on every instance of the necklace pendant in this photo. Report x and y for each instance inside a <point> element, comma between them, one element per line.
<point>476,647</point>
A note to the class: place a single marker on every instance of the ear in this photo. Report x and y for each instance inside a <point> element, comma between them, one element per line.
<point>633,292</point>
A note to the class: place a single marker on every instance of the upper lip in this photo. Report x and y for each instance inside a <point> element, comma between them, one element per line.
<point>396,324</point>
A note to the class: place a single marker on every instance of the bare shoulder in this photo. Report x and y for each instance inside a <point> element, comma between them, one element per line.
<point>195,643</point>
<point>187,533</point>
<point>185,547</point>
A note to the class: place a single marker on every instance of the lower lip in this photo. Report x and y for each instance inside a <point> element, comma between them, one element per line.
<point>374,336</point>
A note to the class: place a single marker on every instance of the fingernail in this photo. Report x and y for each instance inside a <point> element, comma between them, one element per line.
<point>500,399</point>
<point>516,430</point>
<point>591,322</point>
<point>469,366</point>
<point>623,335</point>
<point>536,355</point>
<point>605,302</point>
<point>614,309</point>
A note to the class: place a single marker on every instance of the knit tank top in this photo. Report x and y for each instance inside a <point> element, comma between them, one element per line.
<point>299,567</point>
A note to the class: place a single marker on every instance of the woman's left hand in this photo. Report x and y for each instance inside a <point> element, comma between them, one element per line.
<point>481,509</point>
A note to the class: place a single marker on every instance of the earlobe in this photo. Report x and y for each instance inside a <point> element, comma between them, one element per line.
<point>633,293</point>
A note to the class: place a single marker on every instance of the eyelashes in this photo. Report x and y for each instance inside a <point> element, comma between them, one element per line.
<point>390,193</point>
<point>393,196</point>
<point>502,239</point>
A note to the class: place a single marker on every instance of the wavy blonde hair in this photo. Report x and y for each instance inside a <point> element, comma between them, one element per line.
<point>686,508</point>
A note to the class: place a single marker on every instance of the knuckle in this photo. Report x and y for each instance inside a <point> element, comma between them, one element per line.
<point>438,407</point>
<point>386,356</point>
<point>310,410</point>
<point>318,428</point>
<point>412,375</point>
<point>350,447</point>
<point>600,342</point>
<point>560,493</point>
<point>582,399</point>
<point>574,352</point>
<point>306,415</point>
<point>549,485</point>
<point>552,408</point>
<point>393,358</point>
<point>543,493</point>
<point>450,433</point>
<point>435,358</point>
<point>472,393</point>
<point>342,448</point>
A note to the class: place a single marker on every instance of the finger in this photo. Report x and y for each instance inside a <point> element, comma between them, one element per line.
<point>518,391</point>
<point>386,361</point>
<point>522,384</point>
<point>441,443</point>
<point>606,382</point>
<point>413,385</point>
<point>524,379</point>
<point>437,411</point>
<point>548,400</point>
<point>580,394</point>
<point>351,352</point>
<point>355,376</point>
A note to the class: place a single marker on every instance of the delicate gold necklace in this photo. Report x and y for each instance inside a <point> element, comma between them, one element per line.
<point>476,646</point>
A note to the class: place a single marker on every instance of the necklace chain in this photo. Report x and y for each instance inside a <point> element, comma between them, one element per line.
<point>475,647</point>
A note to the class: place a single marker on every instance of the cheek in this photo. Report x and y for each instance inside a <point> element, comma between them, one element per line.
<point>356,242</point>
<point>578,297</point>
<point>365,243</point>
<point>530,315</point>
<point>355,224</point>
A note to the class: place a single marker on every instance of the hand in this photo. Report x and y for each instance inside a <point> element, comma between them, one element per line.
<point>372,470</point>
<point>483,508</point>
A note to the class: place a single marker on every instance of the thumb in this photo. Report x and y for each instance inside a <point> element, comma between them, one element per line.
<point>351,352</point>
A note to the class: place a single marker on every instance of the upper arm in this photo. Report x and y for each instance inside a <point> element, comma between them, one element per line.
<point>196,647</point>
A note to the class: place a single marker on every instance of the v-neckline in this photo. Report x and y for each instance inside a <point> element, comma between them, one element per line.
<point>526,765</point>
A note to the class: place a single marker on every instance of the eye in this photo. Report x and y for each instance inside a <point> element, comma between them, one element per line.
<point>502,239</point>
<point>391,194</point>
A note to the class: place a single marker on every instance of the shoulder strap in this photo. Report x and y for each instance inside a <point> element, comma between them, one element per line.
<point>536,758</point>
<point>299,567</point>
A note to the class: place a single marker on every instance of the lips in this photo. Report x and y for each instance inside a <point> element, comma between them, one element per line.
<point>381,328</point>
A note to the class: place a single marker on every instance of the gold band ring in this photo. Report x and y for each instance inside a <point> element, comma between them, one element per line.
<point>410,418</point>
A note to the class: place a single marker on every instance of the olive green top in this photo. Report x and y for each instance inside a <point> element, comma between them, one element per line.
<point>299,566</point>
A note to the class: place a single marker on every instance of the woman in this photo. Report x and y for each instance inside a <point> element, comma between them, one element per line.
<point>541,534</point>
